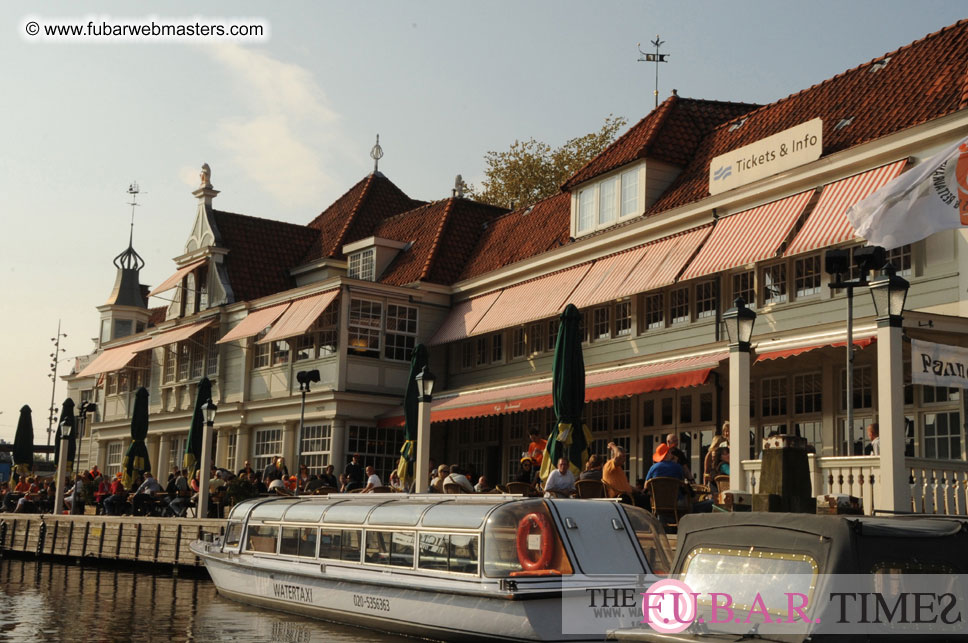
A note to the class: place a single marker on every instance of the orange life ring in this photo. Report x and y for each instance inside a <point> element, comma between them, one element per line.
<point>545,531</point>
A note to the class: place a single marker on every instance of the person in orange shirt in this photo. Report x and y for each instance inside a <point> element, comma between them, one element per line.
<point>613,475</point>
<point>536,448</point>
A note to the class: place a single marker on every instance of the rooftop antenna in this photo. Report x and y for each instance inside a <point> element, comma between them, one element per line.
<point>129,258</point>
<point>376,154</point>
<point>654,58</point>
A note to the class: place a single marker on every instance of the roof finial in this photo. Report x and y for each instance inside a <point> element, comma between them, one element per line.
<point>206,176</point>
<point>459,187</point>
<point>376,154</point>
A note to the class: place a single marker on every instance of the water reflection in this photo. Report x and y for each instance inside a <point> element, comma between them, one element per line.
<point>41,601</point>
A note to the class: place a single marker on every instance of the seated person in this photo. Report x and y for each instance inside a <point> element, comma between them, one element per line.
<point>372,480</point>
<point>721,465</point>
<point>482,486</point>
<point>536,448</point>
<point>457,477</point>
<point>183,496</point>
<point>527,472</point>
<point>116,503</point>
<point>665,466</point>
<point>617,483</point>
<point>437,484</point>
<point>395,482</point>
<point>314,483</point>
<point>277,486</point>
<point>561,481</point>
<point>328,478</point>
<point>144,497</point>
<point>593,468</point>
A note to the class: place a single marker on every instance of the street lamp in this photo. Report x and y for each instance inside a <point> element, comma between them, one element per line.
<point>304,378</point>
<point>425,390</point>
<point>88,408</point>
<point>65,428</point>
<point>889,293</point>
<point>205,467</point>
<point>739,322</point>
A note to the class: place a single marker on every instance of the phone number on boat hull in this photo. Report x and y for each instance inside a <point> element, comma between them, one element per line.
<point>371,602</point>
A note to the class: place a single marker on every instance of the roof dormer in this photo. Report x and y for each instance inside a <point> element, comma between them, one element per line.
<point>368,258</point>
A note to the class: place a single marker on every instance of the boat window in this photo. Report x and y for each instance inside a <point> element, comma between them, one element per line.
<point>340,544</point>
<point>720,569</point>
<point>389,548</point>
<point>262,538</point>
<point>397,513</point>
<point>242,508</point>
<point>233,534</point>
<point>448,514</point>
<point>270,510</point>
<point>533,550</point>
<point>449,552</point>
<point>298,541</point>
<point>306,512</point>
<point>651,539</point>
<point>353,513</point>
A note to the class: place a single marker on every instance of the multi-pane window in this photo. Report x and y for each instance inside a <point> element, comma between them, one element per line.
<point>599,416</point>
<point>807,276</point>
<point>900,258</point>
<point>467,354</point>
<point>600,323</point>
<point>812,431</point>
<point>666,411</point>
<point>606,200</point>
<point>630,193</point>
<point>315,449</point>
<point>553,333</point>
<point>198,359</point>
<point>184,360</point>
<point>862,391</point>
<point>366,319</point>
<point>377,446</point>
<point>112,384</point>
<point>497,347</point>
<point>280,352</point>
<point>744,286</point>
<point>685,409</point>
<point>189,295</point>
<point>305,348</point>
<point>267,446</point>
<point>114,458</point>
<point>679,305</point>
<point>586,209</point>
<point>936,394</point>
<point>774,396</point>
<point>176,452</point>
<point>481,352</point>
<point>705,299</point>
<point>705,407</point>
<point>774,284</point>
<point>321,341</point>
<point>519,343</point>
<point>261,352</point>
<point>361,265</point>
<point>401,332</point>
<point>648,413</point>
<point>211,352</point>
<point>623,318</point>
<point>654,310</point>
<point>942,435</point>
<point>807,393</point>
<point>230,451</point>
<point>612,198</point>
<point>536,338</point>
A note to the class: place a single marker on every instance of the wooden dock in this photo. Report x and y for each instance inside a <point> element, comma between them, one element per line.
<point>135,539</point>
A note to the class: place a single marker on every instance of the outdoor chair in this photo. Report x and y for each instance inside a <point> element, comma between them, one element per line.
<point>589,489</point>
<point>665,494</point>
<point>324,491</point>
<point>522,488</point>
<point>453,487</point>
<point>722,483</point>
<point>383,489</point>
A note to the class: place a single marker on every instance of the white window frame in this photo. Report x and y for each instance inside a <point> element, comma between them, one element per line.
<point>801,288</point>
<point>362,265</point>
<point>266,447</point>
<point>365,326</point>
<point>400,324</point>
<point>113,461</point>
<point>315,449</point>
<point>606,201</point>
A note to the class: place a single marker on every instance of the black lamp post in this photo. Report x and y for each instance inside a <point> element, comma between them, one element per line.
<point>304,378</point>
<point>65,428</point>
<point>739,322</point>
<point>85,408</point>
<point>425,390</point>
<point>889,293</point>
<point>205,466</point>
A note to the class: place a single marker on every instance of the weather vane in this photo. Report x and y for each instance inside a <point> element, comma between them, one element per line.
<point>654,58</point>
<point>376,154</point>
<point>129,258</point>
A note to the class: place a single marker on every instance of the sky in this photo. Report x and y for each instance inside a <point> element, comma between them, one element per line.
<point>287,122</point>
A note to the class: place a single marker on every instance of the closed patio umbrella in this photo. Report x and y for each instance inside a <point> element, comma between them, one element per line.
<point>408,452</point>
<point>23,443</point>
<point>67,415</point>
<point>136,458</point>
<point>570,437</point>
<point>193,446</point>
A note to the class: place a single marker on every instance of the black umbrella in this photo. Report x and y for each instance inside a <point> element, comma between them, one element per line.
<point>136,458</point>
<point>193,447</point>
<point>23,443</point>
<point>570,437</point>
<point>410,405</point>
<point>67,416</point>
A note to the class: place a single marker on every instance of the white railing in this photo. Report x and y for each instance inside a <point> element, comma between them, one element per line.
<point>938,486</point>
<point>854,476</point>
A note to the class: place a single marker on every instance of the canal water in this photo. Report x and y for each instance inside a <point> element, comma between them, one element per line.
<point>46,601</point>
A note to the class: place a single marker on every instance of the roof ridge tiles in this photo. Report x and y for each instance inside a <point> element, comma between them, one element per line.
<point>438,235</point>
<point>249,216</point>
<point>337,242</point>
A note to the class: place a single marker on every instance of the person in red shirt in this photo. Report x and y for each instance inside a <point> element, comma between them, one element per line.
<point>118,500</point>
<point>536,448</point>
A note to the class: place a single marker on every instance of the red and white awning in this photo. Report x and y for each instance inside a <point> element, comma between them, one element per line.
<point>664,262</point>
<point>256,322</point>
<point>748,236</point>
<point>178,334</point>
<point>828,225</point>
<point>114,358</point>
<point>463,317</point>
<point>176,278</point>
<point>302,314</point>
<point>862,342</point>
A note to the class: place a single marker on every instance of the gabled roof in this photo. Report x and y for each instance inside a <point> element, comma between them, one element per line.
<point>356,214</point>
<point>261,252</point>
<point>443,235</point>
<point>521,234</point>
<point>671,132</point>
<point>156,315</point>
<point>912,85</point>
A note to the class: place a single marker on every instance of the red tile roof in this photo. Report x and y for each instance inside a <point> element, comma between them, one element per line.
<point>156,315</point>
<point>521,234</point>
<point>671,132</point>
<point>443,235</point>
<point>356,214</point>
<point>261,252</point>
<point>912,85</point>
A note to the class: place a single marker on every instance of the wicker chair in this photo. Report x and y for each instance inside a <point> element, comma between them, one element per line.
<point>324,491</point>
<point>722,482</point>
<point>383,489</point>
<point>664,493</point>
<point>589,489</point>
<point>453,487</point>
<point>522,488</point>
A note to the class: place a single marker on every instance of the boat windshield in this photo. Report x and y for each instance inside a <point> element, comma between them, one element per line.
<point>651,539</point>
<point>240,510</point>
<point>520,539</point>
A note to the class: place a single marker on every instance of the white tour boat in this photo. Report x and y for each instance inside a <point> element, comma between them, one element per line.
<point>453,567</point>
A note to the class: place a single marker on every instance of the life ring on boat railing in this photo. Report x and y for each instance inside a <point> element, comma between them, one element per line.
<point>539,521</point>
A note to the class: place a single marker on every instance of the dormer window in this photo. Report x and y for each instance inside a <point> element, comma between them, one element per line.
<point>604,203</point>
<point>361,265</point>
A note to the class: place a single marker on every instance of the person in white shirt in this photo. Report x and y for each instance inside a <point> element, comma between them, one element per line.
<point>561,481</point>
<point>372,480</point>
<point>457,477</point>
<point>873,433</point>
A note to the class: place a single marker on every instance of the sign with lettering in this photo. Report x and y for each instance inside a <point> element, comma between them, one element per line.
<point>939,364</point>
<point>766,157</point>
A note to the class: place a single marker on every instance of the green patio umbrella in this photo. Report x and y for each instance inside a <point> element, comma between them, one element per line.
<point>193,446</point>
<point>23,444</point>
<point>136,458</point>
<point>408,452</point>
<point>570,437</point>
<point>67,415</point>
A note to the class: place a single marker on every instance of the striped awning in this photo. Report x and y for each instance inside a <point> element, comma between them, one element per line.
<point>862,342</point>
<point>532,300</point>
<point>601,385</point>
<point>663,262</point>
<point>256,322</point>
<point>606,276</point>
<point>176,278</point>
<point>178,334</point>
<point>828,225</point>
<point>463,317</point>
<point>302,314</point>
<point>748,236</point>
<point>113,359</point>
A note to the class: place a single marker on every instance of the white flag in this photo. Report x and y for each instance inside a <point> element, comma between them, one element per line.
<point>930,197</point>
